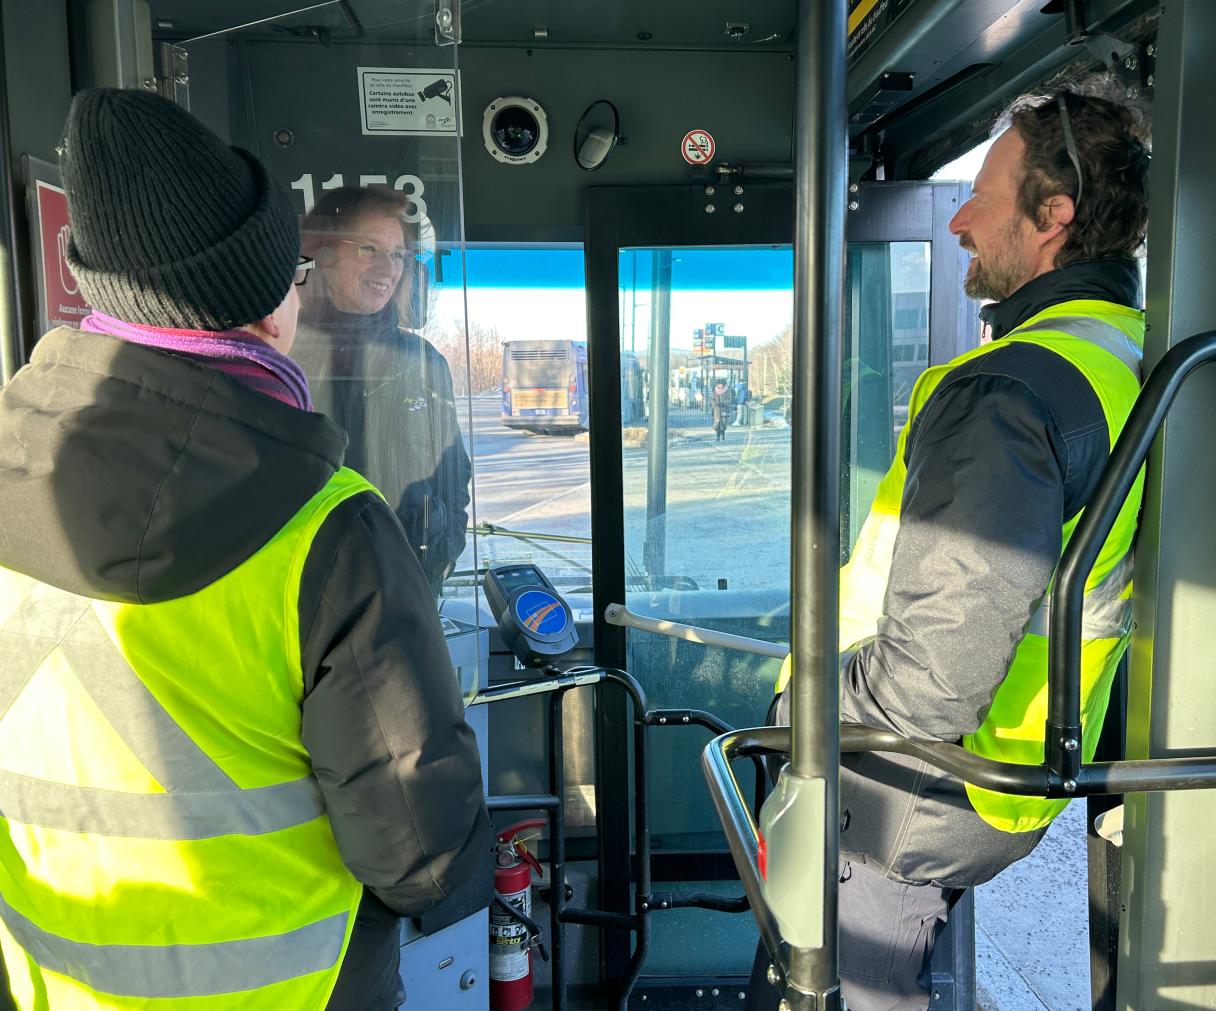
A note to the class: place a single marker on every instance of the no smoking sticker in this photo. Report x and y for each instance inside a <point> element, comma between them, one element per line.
<point>697,147</point>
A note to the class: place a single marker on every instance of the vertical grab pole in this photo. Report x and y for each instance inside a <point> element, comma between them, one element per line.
<point>12,353</point>
<point>654,551</point>
<point>820,138</point>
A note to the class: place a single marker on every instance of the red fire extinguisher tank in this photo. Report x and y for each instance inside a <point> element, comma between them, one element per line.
<point>510,951</point>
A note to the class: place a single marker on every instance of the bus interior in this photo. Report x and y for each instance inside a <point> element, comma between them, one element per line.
<point>678,198</point>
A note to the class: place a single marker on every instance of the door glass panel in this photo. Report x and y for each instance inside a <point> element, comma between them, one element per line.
<point>706,469</point>
<point>886,347</point>
<point>528,354</point>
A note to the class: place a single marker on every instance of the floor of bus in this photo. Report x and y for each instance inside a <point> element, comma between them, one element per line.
<point>1031,937</point>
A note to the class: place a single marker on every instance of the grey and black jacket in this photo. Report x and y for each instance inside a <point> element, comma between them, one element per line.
<point>1034,438</point>
<point>391,391</point>
<point>153,476</point>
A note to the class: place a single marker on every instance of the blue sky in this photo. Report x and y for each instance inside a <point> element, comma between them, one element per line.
<point>759,269</point>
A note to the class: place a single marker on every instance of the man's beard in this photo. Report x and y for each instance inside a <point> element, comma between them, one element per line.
<point>999,274</point>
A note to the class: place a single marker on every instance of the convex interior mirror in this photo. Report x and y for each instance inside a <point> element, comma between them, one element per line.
<point>597,134</point>
<point>515,130</point>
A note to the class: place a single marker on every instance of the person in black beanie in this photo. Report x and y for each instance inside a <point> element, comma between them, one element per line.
<point>232,750</point>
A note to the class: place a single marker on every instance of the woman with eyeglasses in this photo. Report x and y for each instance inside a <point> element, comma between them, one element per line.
<point>387,386</point>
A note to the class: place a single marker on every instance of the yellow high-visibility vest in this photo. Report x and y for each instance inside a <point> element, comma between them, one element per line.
<point>164,842</point>
<point>1104,341</point>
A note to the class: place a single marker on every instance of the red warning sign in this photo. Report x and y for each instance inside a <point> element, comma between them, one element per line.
<point>697,147</point>
<point>63,304</point>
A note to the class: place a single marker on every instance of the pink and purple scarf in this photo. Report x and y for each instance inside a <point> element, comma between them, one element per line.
<point>234,352</point>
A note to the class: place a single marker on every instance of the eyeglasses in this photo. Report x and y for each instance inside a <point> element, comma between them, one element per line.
<point>370,251</point>
<point>1070,144</point>
<point>303,266</point>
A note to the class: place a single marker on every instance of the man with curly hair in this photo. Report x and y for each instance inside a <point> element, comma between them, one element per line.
<point>945,602</point>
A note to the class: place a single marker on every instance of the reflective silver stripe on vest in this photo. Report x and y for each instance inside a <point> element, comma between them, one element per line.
<point>1105,335</point>
<point>201,801</point>
<point>175,816</point>
<point>183,970</point>
<point>1108,611</point>
<point>41,622</point>
<point>154,737</point>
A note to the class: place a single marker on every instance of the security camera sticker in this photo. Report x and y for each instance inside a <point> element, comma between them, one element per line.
<point>697,147</point>
<point>408,103</point>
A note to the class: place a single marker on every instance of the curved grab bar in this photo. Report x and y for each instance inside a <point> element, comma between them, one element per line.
<point>1062,748</point>
<point>743,835</point>
<point>738,823</point>
<point>620,615</point>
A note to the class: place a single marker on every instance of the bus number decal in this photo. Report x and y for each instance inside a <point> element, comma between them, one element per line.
<point>411,185</point>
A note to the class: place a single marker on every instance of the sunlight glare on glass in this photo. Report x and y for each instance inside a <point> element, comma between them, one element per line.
<point>966,167</point>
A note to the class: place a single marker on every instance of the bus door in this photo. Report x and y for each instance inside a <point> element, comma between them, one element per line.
<point>700,507</point>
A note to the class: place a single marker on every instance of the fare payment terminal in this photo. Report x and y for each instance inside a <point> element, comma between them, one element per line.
<point>534,622</point>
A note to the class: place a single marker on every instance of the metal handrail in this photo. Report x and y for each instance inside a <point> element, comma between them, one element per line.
<point>1062,745</point>
<point>620,615</point>
<point>738,823</point>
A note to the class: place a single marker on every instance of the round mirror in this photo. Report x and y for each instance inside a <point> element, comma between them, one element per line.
<point>597,133</point>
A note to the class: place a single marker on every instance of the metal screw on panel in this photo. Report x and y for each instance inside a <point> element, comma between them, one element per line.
<point>645,907</point>
<point>1150,80</point>
<point>148,84</point>
<point>1131,63</point>
<point>1070,786</point>
<point>738,191</point>
<point>714,991</point>
<point>662,719</point>
<point>771,975</point>
<point>710,208</point>
<point>853,205</point>
<point>700,993</point>
<point>738,207</point>
<point>1071,744</point>
<point>709,191</point>
<point>742,995</point>
<point>854,188</point>
<point>468,980</point>
<point>1133,91</point>
<point>182,78</point>
<point>738,210</point>
<point>1151,50</point>
<point>443,18</point>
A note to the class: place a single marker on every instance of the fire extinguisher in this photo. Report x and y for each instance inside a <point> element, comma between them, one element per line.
<point>513,932</point>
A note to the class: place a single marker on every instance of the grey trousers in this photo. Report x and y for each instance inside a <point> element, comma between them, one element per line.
<point>369,979</point>
<point>887,932</point>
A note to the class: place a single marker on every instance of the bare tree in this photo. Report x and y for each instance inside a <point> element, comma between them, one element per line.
<point>772,366</point>
<point>476,363</point>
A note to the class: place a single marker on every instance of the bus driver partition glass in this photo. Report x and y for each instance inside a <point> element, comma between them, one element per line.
<point>366,136</point>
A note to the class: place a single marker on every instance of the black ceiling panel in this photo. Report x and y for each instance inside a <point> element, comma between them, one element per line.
<point>682,24</point>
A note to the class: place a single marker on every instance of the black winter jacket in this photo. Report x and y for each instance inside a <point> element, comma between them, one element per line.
<point>391,391</point>
<point>132,474</point>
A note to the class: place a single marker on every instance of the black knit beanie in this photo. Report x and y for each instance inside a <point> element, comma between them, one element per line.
<point>170,226</point>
